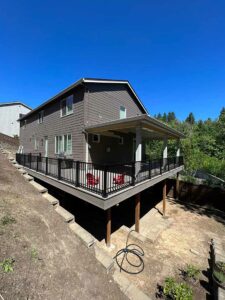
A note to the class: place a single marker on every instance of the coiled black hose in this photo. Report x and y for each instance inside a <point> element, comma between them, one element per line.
<point>131,250</point>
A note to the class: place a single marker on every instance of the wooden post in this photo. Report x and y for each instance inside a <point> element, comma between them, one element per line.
<point>108,227</point>
<point>177,189</point>
<point>137,212</point>
<point>164,198</point>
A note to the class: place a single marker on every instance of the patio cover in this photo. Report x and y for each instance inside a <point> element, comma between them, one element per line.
<point>148,124</point>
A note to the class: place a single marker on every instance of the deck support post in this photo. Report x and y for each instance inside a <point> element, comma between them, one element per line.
<point>164,198</point>
<point>108,227</point>
<point>165,154</point>
<point>137,211</point>
<point>177,187</point>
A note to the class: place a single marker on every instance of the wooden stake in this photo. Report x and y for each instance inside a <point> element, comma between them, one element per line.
<point>108,227</point>
<point>137,211</point>
<point>164,198</point>
<point>177,187</point>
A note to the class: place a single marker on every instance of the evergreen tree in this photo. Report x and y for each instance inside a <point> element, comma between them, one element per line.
<point>190,119</point>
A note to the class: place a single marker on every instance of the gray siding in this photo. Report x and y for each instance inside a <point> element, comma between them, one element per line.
<point>118,153</point>
<point>103,103</point>
<point>55,125</point>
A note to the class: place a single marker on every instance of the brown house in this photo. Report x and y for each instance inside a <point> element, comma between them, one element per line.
<point>89,141</point>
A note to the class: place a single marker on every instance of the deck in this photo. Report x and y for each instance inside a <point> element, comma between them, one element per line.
<point>101,185</point>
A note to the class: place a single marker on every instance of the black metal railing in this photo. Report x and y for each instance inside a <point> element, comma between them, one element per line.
<point>97,178</point>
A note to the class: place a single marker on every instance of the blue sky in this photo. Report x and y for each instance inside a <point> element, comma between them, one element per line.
<point>172,52</point>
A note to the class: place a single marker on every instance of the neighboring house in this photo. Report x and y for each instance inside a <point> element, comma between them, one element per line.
<point>10,112</point>
<point>89,140</point>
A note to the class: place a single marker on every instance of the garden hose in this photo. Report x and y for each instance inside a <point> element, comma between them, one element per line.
<point>131,250</point>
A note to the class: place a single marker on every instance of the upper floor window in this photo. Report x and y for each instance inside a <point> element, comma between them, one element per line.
<point>123,112</point>
<point>67,106</point>
<point>24,124</point>
<point>40,117</point>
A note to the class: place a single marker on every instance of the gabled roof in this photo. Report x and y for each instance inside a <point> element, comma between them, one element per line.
<point>88,80</point>
<point>14,103</point>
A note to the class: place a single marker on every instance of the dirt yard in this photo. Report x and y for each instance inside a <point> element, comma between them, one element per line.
<point>48,260</point>
<point>184,241</point>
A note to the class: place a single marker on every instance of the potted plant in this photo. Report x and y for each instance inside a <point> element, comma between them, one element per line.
<point>176,291</point>
<point>219,274</point>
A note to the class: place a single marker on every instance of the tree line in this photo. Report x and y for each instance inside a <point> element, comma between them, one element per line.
<point>203,146</point>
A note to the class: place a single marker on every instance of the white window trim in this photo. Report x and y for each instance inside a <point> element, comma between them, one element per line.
<point>67,113</point>
<point>63,137</point>
<point>98,139</point>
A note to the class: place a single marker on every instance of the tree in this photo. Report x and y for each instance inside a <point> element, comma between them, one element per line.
<point>171,117</point>
<point>190,119</point>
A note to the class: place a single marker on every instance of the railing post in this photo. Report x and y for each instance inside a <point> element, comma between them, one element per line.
<point>37,162</point>
<point>77,183</point>
<point>46,165</point>
<point>59,169</point>
<point>104,192</point>
<point>150,169</point>
<point>160,166</point>
<point>30,160</point>
<point>174,162</point>
<point>133,173</point>
<point>168,164</point>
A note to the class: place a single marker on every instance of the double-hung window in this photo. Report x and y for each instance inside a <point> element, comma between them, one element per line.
<point>40,117</point>
<point>67,106</point>
<point>63,144</point>
<point>123,112</point>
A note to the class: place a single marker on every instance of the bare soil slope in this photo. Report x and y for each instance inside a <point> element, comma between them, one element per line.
<point>49,261</point>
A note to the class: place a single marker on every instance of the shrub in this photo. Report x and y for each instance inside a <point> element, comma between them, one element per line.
<point>7,265</point>
<point>7,220</point>
<point>177,291</point>
<point>192,272</point>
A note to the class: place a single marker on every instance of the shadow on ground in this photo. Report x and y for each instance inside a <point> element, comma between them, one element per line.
<point>93,219</point>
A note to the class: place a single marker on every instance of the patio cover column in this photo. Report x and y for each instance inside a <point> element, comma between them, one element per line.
<point>138,153</point>
<point>165,153</point>
<point>177,187</point>
<point>178,151</point>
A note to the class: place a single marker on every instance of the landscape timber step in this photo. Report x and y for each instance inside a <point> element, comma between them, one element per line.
<point>104,258</point>
<point>14,162</point>
<point>86,238</point>
<point>128,288</point>
<point>52,200</point>
<point>11,158</point>
<point>28,177</point>
<point>67,216</point>
<point>22,171</point>
<point>38,187</point>
<point>17,166</point>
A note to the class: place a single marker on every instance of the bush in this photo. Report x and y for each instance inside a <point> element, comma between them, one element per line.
<point>192,272</point>
<point>177,291</point>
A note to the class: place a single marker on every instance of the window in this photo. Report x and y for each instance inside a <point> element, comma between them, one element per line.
<point>120,140</point>
<point>24,124</point>
<point>67,106</point>
<point>63,144</point>
<point>36,144</point>
<point>96,138</point>
<point>123,112</point>
<point>40,117</point>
